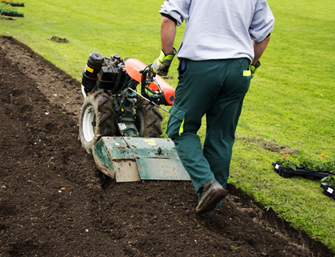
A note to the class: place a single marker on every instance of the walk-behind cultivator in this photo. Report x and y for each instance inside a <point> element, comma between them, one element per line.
<point>120,127</point>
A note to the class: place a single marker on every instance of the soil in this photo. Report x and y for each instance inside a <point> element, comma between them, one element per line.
<point>54,202</point>
<point>6,18</point>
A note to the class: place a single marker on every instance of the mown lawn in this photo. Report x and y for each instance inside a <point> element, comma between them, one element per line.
<point>290,102</point>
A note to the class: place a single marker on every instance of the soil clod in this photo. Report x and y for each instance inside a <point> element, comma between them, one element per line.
<point>59,39</point>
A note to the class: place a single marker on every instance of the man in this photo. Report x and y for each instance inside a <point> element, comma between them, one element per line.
<point>219,54</point>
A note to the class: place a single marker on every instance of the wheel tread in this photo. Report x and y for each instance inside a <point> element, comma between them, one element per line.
<point>152,119</point>
<point>105,118</point>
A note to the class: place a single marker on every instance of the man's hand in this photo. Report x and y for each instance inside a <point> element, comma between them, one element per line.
<point>162,64</point>
<point>253,68</point>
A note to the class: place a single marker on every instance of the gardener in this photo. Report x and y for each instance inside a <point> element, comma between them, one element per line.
<point>219,54</point>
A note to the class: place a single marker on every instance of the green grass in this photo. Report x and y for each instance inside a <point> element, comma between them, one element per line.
<point>290,101</point>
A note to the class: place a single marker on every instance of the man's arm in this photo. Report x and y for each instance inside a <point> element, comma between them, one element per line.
<point>168,34</point>
<point>259,48</point>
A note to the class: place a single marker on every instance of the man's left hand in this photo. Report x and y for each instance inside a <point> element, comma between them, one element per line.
<point>162,64</point>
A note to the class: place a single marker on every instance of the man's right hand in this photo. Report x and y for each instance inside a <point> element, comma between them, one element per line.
<point>253,68</point>
<point>162,64</point>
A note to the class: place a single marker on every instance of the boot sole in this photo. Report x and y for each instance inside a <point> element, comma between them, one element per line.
<point>209,202</point>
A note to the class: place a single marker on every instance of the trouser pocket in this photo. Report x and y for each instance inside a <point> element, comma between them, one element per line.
<point>176,122</point>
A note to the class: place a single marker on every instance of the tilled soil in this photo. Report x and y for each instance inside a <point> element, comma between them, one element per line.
<point>54,202</point>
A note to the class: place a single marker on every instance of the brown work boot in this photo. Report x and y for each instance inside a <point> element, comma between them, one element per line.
<point>210,194</point>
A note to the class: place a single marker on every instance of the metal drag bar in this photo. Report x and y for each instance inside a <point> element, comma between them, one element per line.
<point>151,102</point>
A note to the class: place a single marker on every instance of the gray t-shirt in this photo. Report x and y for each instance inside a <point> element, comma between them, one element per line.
<point>220,29</point>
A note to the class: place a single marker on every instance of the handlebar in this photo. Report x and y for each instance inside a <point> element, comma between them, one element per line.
<point>148,77</point>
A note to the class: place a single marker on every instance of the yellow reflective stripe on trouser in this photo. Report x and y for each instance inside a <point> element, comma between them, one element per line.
<point>181,129</point>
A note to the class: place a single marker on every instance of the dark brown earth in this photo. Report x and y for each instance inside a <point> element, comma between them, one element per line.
<point>54,202</point>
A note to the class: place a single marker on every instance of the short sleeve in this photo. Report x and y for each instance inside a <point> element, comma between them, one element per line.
<point>263,21</point>
<point>177,9</point>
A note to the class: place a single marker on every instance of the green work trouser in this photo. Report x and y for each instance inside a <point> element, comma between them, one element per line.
<point>215,88</point>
